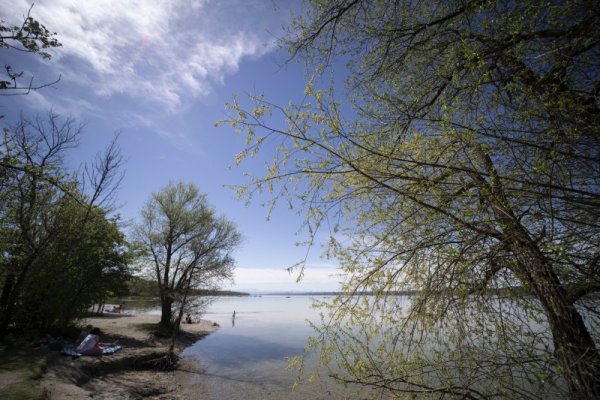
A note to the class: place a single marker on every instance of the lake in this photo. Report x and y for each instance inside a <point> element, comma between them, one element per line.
<point>247,357</point>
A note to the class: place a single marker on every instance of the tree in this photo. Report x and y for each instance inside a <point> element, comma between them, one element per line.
<point>29,37</point>
<point>87,260</point>
<point>185,245</point>
<point>463,164</point>
<point>35,187</point>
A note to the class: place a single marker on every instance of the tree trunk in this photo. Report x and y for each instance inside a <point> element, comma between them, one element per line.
<point>12,294</point>
<point>166,312</point>
<point>4,299</point>
<point>6,289</point>
<point>574,347</point>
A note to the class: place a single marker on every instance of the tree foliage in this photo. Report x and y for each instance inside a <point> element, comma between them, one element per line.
<point>29,37</point>
<point>59,252</point>
<point>87,262</point>
<point>464,163</point>
<point>185,245</point>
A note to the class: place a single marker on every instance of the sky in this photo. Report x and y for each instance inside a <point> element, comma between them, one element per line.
<point>159,73</point>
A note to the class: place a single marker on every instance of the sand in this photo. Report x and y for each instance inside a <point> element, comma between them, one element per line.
<point>125,374</point>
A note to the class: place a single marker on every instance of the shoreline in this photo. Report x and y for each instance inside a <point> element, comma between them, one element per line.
<point>125,374</point>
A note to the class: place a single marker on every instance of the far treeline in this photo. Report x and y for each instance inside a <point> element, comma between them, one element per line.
<point>62,248</point>
<point>141,287</point>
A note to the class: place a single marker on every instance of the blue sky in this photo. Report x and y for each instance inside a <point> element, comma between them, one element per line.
<point>160,73</point>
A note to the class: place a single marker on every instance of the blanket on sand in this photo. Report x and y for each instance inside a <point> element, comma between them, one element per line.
<point>72,350</point>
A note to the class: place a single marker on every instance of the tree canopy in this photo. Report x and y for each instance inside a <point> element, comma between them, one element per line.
<point>59,250</point>
<point>184,245</point>
<point>463,163</point>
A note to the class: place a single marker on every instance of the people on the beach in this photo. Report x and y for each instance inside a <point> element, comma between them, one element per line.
<point>188,319</point>
<point>91,344</point>
<point>58,343</point>
<point>86,331</point>
<point>118,309</point>
<point>233,314</point>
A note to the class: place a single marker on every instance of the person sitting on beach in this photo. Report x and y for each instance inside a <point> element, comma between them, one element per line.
<point>86,331</point>
<point>188,319</point>
<point>117,309</point>
<point>91,346</point>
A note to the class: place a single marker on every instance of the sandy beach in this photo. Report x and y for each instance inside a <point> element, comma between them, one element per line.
<point>125,374</point>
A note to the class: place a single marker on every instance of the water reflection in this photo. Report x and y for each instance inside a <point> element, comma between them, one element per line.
<point>238,350</point>
<point>247,359</point>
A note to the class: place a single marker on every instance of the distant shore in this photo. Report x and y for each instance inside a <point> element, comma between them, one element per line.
<point>125,374</point>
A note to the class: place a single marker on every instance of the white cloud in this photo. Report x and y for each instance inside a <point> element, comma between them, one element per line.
<point>39,102</point>
<point>160,52</point>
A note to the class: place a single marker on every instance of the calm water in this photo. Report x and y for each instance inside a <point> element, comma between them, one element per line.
<point>246,357</point>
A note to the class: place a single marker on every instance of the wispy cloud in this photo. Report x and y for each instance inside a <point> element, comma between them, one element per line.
<point>156,52</point>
